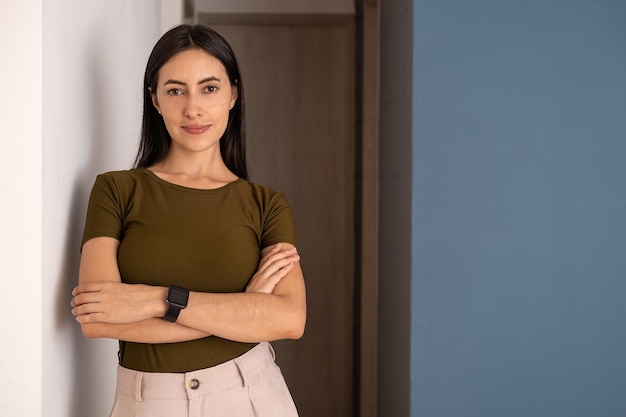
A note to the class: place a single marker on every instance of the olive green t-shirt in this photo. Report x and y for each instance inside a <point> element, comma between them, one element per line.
<point>203,240</point>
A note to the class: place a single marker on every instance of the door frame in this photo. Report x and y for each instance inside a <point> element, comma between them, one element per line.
<point>367,150</point>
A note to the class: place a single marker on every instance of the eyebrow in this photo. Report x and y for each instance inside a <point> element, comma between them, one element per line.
<point>212,78</point>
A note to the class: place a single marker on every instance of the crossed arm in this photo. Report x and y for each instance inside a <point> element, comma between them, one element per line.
<point>273,306</point>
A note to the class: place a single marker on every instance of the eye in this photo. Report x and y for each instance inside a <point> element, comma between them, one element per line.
<point>175,92</point>
<point>210,89</point>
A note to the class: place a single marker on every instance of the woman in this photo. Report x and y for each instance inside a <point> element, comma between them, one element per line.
<point>193,268</point>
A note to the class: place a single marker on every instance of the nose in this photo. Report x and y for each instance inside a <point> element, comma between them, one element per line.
<point>193,108</point>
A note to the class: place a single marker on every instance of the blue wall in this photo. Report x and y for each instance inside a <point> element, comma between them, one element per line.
<point>519,208</point>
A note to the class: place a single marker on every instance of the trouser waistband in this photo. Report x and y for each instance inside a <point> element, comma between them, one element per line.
<point>238,372</point>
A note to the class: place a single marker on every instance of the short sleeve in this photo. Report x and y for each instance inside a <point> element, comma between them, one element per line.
<point>278,223</point>
<point>104,214</point>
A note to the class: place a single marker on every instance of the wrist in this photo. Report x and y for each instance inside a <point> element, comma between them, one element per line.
<point>160,304</point>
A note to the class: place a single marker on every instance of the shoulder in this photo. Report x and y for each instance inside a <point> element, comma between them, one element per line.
<point>262,194</point>
<point>273,207</point>
<point>258,188</point>
<point>277,222</point>
<point>118,185</point>
<point>129,175</point>
<point>121,179</point>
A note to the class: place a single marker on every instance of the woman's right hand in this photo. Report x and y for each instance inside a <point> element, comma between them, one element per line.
<point>274,265</point>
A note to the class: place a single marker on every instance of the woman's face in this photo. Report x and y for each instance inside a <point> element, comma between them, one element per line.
<point>194,96</point>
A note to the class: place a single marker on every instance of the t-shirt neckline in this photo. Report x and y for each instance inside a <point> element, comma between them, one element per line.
<point>168,184</point>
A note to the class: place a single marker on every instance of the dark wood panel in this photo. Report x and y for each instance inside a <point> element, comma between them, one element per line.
<point>299,83</point>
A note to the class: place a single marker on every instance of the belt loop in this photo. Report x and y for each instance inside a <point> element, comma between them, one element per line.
<point>242,372</point>
<point>250,364</point>
<point>271,348</point>
<point>138,383</point>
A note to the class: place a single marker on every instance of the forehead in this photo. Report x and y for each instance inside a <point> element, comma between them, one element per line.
<point>192,65</point>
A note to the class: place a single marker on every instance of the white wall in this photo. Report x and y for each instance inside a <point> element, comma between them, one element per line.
<point>93,57</point>
<point>275,6</point>
<point>171,14</point>
<point>72,75</point>
<point>20,208</point>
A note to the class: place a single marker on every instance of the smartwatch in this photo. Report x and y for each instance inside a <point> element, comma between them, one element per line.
<point>176,300</point>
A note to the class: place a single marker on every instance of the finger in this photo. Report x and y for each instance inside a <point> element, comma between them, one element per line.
<point>279,275</point>
<point>86,309</point>
<point>275,249</point>
<point>86,298</point>
<point>90,318</point>
<point>276,272</point>
<point>267,285</point>
<point>88,287</point>
<point>283,257</point>
<point>279,264</point>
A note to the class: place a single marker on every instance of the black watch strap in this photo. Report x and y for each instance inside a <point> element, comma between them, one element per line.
<point>177,298</point>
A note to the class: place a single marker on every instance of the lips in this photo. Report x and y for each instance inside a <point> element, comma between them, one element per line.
<point>196,130</point>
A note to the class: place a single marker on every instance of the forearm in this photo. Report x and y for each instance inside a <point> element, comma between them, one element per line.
<point>273,306</point>
<point>245,317</point>
<point>154,330</point>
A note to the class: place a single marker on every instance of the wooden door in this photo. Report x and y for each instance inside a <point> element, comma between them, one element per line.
<point>299,82</point>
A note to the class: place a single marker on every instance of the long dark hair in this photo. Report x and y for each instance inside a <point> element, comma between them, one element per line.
<point>155,140</point>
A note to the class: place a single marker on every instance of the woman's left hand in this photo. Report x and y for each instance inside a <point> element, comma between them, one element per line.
<point>275,264</point>
<point>113,302</point>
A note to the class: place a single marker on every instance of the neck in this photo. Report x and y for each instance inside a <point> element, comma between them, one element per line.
<point>196,170</point>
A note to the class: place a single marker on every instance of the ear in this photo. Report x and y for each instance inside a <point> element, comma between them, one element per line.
<point>234,96</point>
<point>155,101</point>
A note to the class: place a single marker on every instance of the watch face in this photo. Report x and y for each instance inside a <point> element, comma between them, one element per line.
<point>178,296</point>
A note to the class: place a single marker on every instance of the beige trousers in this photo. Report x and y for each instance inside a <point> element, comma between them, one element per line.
<point>251,385</point>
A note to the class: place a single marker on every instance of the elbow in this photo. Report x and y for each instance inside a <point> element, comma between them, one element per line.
<point>296,328</point>
<point>92,330</point>
<point>296,334</point>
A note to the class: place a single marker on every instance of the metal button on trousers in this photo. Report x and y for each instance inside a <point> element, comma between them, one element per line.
<point>194,384</point>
